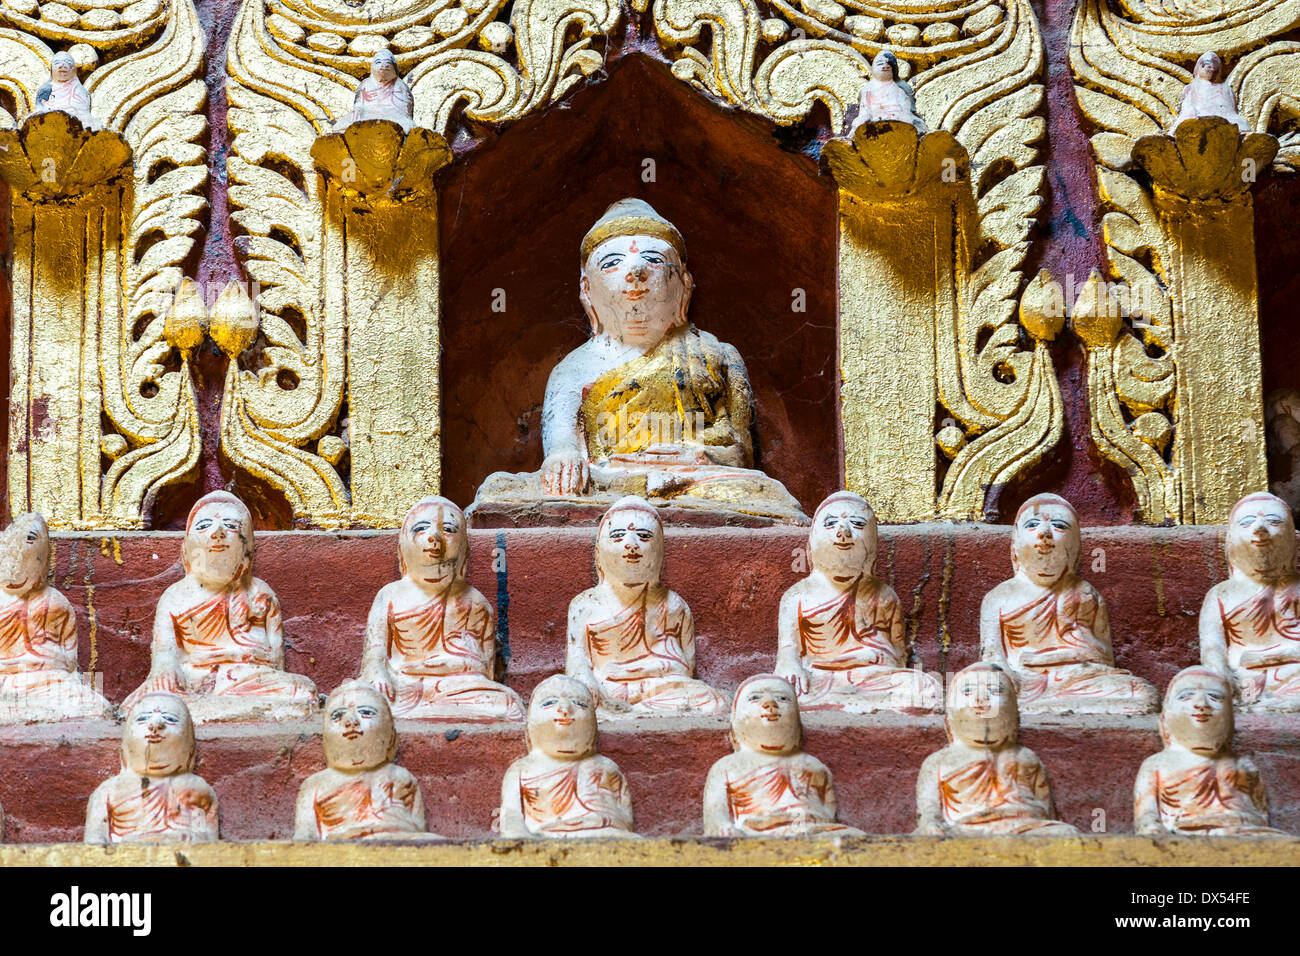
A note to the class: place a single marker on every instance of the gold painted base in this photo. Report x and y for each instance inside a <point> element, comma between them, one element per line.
<point>866,851</point>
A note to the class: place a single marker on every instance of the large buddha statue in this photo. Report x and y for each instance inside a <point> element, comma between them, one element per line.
<point>840,635</point>
<point>431,640</point>
<point>562,788</point>
<point>1250,623</point>
<point>1049,628</point>
<point>38,634</point>
<point>218,638</point>
<point>1197,785</point>
<point>631,639</point>
<point>362,794</point>
<point>769,786</point>
<point>650,405</point>
<point>156,797</point>
<point>65,93</point>
<point>984,783</point>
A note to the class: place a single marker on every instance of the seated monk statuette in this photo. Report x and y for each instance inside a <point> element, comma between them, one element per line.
<point>431,641</point>
<point>383,95</point>
<point>1207,95</point>
<point>840,630</point>
<point>157,797</point>
<point>362,794</point>
<point>631,639</point>
<point>218,640</point>
<point>563,788</point>
<point>38,634</point>
<point>984,783</point>
<point>650,405</point>
<point>1250,623</point>
<point>885,97</point>
<point>769,786</point>
<point>1049,628</point>
<point>1197,785</point>
<point>64,93</point>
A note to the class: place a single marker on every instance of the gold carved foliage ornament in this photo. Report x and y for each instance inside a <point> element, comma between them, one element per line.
<point>1171,331</point>
<point>102,408</point>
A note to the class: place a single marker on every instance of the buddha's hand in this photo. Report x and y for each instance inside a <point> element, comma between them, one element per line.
<point>793,672</point>
<point>1269,657</point>
<point>381,681</point>
<point>565,473</point>
<point>166,679</point>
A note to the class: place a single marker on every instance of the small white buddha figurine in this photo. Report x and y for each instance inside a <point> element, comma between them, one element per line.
<point>218,637</point>
<point>984,783</point>
<point>563,788</point>
<point>631,639</point>
<point>1049,628</point>
<point>649,405</point>
<point>383,95</point>
<point>38,634</point>
<point>840,630</point>
<point>431,641</point>
<point>64,93</point>
<point>1207,95</point>
<point>1250,623</point>
<point>156,797</point>
<point>1197,785</point>
<point>362,794</point>
<point>769,786</point>
<point>885,97</point>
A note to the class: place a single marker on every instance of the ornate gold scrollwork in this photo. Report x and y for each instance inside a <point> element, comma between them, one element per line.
<point>1185,424</point>
<point>976,69</point>
<point>102,406</point>
<point>348,265</point>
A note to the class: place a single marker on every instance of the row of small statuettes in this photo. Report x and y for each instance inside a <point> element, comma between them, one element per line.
<point>431,648</point>
<point>984,782</point>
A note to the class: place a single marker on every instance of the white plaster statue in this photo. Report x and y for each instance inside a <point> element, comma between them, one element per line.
<point>65,93</point>
<point>885,97</point>
<point>1208,95</point>
<point>383,95</point>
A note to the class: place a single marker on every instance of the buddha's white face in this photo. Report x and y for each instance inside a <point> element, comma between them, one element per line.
<point>843,539</point>
<point>1261,538</point>
<point>358,730</point>
<point>881,69</point>
<point>637,289</point>
<point>217,544</point>
<point>382,70</point>
<point>766,718</point>
<point>1208,67</point>
<point>1046,539</point>
<point>432,542</point>
<point>26,558</point>
<point>630,548</point>
<point>982,711</point>
<point>562,720</point>
<point>1198,714</point>
<point>158,737</point>
<point>63,68</point>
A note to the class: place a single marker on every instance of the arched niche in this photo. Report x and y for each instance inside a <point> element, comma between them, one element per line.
<point>759,223</point>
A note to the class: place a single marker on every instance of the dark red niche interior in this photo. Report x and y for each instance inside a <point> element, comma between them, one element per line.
<point>758,221</point>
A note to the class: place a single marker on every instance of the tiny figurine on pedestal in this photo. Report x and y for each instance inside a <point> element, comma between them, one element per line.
<point>769,786</point>
<point>841,640</point>
<point>1197,785</point>
<point>563,788</point>
<point>984,783</point>
<point>362,795</point>
<point>631,639</point>
<point>650,405</point>
<point>1207,95</point>
<point>1250,623</point>
<point>64,93</point>
<point>38,634</point>
<point>431,642</point>
<point>156,797</point>
<point>1049,628</point>
<point>884,97</point>
<point>218,639</point>
<point>383,95</point>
